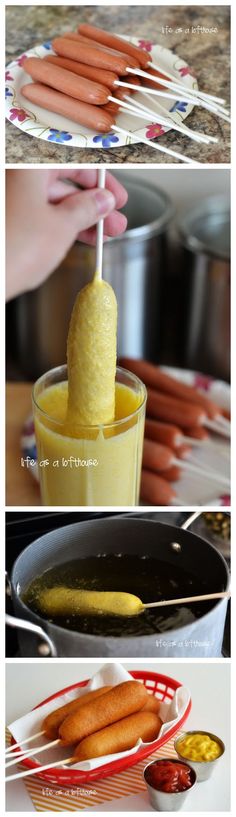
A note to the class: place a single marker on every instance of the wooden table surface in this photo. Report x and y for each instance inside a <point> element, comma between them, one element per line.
<point>21,488</point>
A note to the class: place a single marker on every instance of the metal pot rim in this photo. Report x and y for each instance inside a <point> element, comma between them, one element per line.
<point>117,639</point>
<point>156,226</point>
<point>185,225</point>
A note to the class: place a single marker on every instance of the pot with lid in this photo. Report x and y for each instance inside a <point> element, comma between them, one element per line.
<point>123,541</point>
<point>204,280</point>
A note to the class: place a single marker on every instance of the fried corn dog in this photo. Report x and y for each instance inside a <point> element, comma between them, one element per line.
<point>152,704</point>
<point>52,722</point>
<point>121,701</point>
<point>120,736</point>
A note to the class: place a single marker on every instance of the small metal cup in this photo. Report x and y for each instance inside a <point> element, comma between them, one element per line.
<point>203,768</point>
<point>167,801</point>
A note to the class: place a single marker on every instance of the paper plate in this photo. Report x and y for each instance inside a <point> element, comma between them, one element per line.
<point>215,454</point>
<point>54,128</point>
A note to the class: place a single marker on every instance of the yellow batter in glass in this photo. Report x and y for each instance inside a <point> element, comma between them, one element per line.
<point>90,430</point>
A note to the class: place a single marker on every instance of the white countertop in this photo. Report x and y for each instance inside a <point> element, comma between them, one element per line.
<point>28,683</point>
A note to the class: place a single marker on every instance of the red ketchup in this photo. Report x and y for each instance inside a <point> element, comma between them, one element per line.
<point>169,776</point>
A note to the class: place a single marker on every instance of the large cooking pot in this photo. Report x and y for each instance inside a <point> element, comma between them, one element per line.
<point>135,264</point>
<point>204,234</point>
<point>129,535</point>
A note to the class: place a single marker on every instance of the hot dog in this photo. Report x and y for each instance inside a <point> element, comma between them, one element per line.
<point>52,722</point>
<point>155,490</point>
<point>169,409</point>
<point>149,83</point>
<point>197,433</point>
<point>172,474</point>
<point>121,93</point>
<point>107,78</point>
<point>112,41</point>
<point>182,451</point>
<point>82,52</point>
<point>120,736</point>
<point>121,701</point>
<point>131,61</point>
<point>153,376</point>
<point>163,433</point>
<point>66,82</point>
<point>89,115</point>
<point>157,457</point>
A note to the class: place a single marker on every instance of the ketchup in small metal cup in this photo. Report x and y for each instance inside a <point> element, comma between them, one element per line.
<point>168,782</point>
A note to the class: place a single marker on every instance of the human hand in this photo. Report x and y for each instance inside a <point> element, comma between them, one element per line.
<point>46,213</point>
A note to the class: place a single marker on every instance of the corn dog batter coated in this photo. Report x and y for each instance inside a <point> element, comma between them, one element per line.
<point>121,701</point>
<point>52,722</point>
<point>91,357</point>
<point>59,601</point>
<point>120,736</point>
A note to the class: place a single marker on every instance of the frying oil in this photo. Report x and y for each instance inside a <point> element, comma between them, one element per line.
<point>146,577</point>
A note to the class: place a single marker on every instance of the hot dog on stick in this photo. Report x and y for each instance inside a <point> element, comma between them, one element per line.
<point>65,81</point>
<point>107,78</point>
<point>89,55</point>
<point>112,41</point>
<point>155,378</point>
<point>92,116</point>
<point>155,490</point>
<point>131,61</point>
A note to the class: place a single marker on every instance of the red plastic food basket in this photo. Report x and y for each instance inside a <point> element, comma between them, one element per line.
<point>162,687</point>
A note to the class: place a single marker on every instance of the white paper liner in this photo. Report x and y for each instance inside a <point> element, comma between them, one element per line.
<point>109,674</point>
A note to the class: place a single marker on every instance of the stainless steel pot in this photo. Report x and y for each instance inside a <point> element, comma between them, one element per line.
<point>118,534</point>
<point>135,264</point>
<point>204,280</point>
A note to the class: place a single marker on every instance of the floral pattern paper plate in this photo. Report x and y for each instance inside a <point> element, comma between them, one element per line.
<point>54,128</point>
<point>215,454</point>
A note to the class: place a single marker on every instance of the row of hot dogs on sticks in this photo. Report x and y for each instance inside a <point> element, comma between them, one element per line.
<point>179,418</point>
<point>92,76</point>
<point>95,727</point>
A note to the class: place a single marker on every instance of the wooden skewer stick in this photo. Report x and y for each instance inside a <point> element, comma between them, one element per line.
<point>169,121</point>
<point>100,230</point>
<point>19,756</point>
<point>21,742</point>
<point>192,442</point>
<point>149,143</point>
<point>39,769</point>
<point>205,597</point>
<point>224,422</point>
<point>201,471</point>
<point>140,111</point>
<point>179,89</point>
<point>175,97</point>
<point>175,118</point>
<point>164,70</point>
<point>217,427</point>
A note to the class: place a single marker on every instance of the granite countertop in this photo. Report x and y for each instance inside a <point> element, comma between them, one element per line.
<point>205,49</point>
